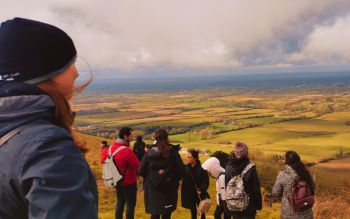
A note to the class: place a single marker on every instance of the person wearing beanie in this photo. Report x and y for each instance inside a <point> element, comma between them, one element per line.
<point>42,168</point>
<point>238,162</point>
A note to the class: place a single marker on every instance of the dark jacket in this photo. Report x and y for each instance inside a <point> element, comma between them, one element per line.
<point>189,195</point>
<point>161,200</point>
<point>251,185</point>
<point>42,173</point>
<point>139,149</point>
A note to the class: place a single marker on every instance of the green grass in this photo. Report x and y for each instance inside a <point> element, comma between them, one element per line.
<point>314,139</point>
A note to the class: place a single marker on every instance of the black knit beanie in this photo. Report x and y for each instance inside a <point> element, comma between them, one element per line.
<point>32,52</point>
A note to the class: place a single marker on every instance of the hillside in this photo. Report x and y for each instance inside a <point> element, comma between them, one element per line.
<point>267,175</point>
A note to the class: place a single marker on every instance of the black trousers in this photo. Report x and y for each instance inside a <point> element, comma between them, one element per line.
<point>164,216</point>
<point>219,210</point>
<point>194,213</point>
<point>126,195</point>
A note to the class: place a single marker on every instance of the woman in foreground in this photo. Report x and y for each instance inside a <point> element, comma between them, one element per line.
<point>42,170</point>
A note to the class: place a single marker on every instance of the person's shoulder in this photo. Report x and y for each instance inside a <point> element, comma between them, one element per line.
<point>44,131</point>
<point>46,141</point>
<point>221,175</point>
<point>282,174</point>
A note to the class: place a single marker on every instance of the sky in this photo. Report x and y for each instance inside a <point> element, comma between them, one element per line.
<point>152,38</point>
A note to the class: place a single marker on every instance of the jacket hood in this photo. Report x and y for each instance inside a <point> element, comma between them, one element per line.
<point>238,165</point>
<point>154,153</point>
<point>21,103</point>
<point>212,165</point>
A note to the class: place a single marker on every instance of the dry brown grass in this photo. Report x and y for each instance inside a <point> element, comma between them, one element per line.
<point>332,207</point>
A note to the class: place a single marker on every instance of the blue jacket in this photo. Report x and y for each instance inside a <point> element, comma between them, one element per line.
<point>42,173</point>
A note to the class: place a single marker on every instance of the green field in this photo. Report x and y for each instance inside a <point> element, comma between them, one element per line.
<point>317,126</point>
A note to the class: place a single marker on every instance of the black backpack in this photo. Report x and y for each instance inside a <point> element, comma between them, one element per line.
<point>160,173</point>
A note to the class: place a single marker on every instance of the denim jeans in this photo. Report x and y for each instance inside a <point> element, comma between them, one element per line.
<point>126,195</point>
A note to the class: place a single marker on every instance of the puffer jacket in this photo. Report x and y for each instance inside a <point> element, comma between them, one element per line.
<point>42,173</point>
<point>125,160</point>
<point>161,200</point>
<point>282,189</point>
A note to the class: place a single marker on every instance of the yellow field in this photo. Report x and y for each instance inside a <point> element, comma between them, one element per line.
<point>317,126</point>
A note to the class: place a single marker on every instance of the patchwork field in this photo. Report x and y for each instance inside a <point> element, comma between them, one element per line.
<point>316,125</point>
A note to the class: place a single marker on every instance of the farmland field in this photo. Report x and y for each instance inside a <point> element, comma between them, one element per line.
<point>315,125</point>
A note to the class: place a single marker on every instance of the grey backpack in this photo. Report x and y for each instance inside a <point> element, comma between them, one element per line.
<point>236,198</point>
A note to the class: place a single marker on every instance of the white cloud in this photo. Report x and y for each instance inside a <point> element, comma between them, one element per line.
<point>127,34</point>
<point>328,44</point>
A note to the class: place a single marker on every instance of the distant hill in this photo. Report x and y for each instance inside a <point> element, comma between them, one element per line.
<point>258,82</point>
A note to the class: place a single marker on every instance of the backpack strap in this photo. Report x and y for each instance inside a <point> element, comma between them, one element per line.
<point>115,152</point>
<point>220,174</point>
<point>14,132</point>
<point>246,169</point>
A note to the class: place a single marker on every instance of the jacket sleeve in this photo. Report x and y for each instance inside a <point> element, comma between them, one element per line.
<point>205,181</point>
<point>277,189</point>
<point>131,159</point>
<point>56,181</point>
<point>135,148</point>
<point>143,168</point>
<point>180,166</point>
<point>221,181</point>
<point>256,189</point>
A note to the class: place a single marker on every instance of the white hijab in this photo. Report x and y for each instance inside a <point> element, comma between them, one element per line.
<point>212,165</point>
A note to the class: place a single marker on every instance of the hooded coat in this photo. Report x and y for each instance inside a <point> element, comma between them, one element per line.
<point>212,165</point>
<point>282,189</point>
<point>160,201</point>
<point>251,185</point>
<point>43,174</point>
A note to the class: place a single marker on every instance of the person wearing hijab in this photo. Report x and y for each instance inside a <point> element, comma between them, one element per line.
<point>212,165</point>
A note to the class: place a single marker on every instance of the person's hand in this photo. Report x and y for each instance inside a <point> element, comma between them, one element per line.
<point>268,199</point>
<point>161,171</point>
<point>199,192</point>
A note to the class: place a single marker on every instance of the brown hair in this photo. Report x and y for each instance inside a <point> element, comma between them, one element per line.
<point>161,136</point>
<point>63,115</point>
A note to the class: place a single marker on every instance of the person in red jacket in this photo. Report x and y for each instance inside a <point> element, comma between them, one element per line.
<point>127,164</point>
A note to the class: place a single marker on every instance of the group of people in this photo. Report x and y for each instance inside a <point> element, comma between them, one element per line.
<point>162,169</point>
<point>42,167</point>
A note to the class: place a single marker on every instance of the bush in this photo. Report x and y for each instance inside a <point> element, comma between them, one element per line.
<point>328,207</point>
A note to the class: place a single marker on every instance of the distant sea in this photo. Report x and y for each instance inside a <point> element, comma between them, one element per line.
<point>339,81</point>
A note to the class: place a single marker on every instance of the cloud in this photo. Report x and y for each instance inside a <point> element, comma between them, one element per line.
<point>131,34</point>
<point>328,44</point>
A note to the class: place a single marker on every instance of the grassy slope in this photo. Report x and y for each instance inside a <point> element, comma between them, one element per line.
<point>107,196</point>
